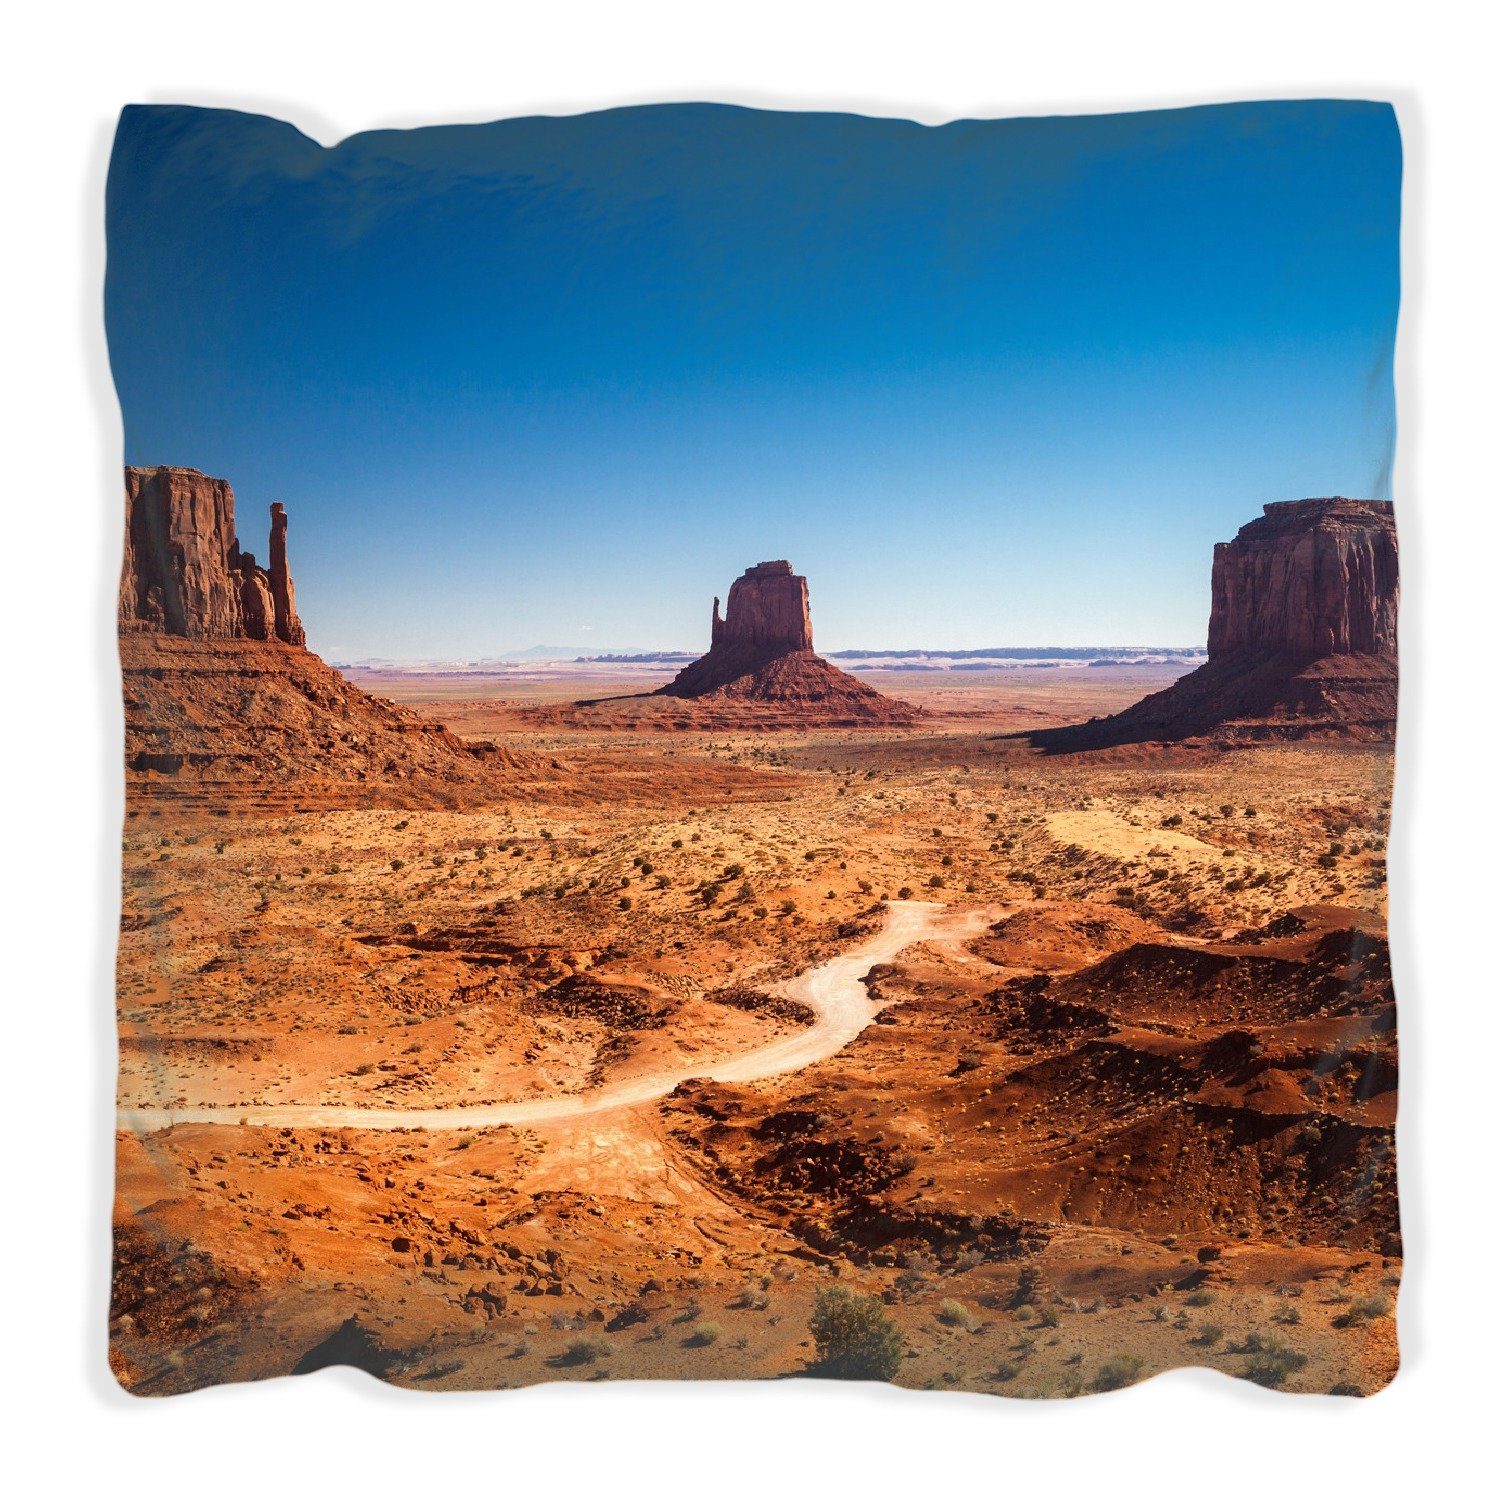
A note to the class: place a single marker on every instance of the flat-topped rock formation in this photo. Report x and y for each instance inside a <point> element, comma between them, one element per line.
<point>1301,636</point>
<point>1309,578</point>
<point>767,611</point>
<point>221,694</point>
<point>184,573</point>
<point>761,652</point>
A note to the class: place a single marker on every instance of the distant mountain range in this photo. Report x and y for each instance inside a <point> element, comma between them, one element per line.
<point>1094,655</point>
<point>906,658</point>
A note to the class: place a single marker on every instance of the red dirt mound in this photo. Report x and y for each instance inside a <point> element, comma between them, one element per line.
<point>222,716</point>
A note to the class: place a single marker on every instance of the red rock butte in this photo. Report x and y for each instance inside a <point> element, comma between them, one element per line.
<point>760,652</point>
<point>184,573</point>
<point>1301,636</point>
<point>221,695</point>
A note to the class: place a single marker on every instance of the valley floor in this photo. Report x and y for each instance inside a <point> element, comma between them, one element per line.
<point>1128,1104</point>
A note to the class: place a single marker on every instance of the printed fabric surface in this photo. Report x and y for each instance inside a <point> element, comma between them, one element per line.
<point>542,958</point>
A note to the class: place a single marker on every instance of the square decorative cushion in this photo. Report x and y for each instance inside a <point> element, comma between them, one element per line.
<point>542,958</point>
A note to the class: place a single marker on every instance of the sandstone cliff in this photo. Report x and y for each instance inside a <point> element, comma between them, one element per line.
<point>184,573</point>
<point>182,562</point>
<point>1301,636</point>
<point>760,653</point>
<point>221,697</point>
<point>1309,578</point>
<point>768,611</point>
<point>286,623</point>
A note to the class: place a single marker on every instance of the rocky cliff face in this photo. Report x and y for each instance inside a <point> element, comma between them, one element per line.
<point>760,655</point>
<point>182,563</point>
<point>1301,636</point>
<point>283,596</point>
<point>216,707</point>
<point>768,612</point>
<point>1309,578</point>
<point>184,573</point>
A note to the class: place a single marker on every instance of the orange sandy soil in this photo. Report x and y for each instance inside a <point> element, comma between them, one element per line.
<point>1144,1120</point>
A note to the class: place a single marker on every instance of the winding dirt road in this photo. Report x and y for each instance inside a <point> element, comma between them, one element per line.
<point>835,991</point>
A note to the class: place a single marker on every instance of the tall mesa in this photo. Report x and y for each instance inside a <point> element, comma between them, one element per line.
<point>1301,636</point>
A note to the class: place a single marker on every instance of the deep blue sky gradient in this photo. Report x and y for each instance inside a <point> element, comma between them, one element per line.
<point>560,380</point>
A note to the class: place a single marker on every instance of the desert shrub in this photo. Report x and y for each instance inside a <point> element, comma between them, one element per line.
<point>854,1337</point>
<point>1272,1362</point>
<point>1118,1371</point>
<point>1209,1335</point>
<point>952,1312</point>
<point>704,1334</point>
<point>904,894</point>
<point>585,1351</point>
<point>911,1281</point>
<point>1201,1298</point>
<point>1361,1309</point>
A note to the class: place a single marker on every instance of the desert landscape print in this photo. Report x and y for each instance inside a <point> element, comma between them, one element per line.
<point>927,921</point>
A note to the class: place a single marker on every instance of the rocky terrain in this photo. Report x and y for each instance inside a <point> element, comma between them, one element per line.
<point>1301,636</point>
<point>243,717</point>
<point>223,699</point>
<point>1142,1118</point>
<point>555,1045</point>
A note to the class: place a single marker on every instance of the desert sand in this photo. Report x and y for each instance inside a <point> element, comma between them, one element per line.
<point>610,1074</point>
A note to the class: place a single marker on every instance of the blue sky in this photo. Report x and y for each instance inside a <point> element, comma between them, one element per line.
<point>561,379</point>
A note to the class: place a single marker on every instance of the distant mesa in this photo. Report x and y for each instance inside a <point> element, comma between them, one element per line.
<point>1301,637</point>
<point>761,652</point>
<point>221,694</point>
